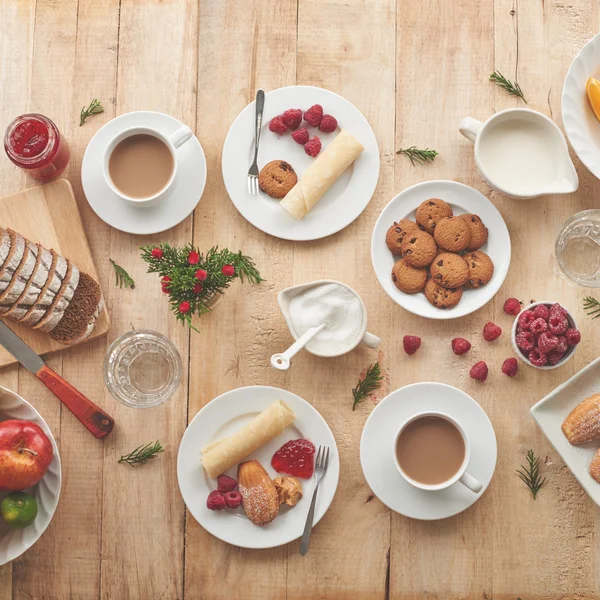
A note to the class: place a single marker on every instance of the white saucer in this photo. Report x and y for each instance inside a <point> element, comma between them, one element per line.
<point>223,416</point>
<point>377,450</point>
<point>187,189</point>
<point>463,199</point>
<point>343,202</point>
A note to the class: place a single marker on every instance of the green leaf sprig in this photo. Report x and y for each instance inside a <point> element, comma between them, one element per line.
<point>530,474</point>
<point>418,156</point>
<point>367,385</point>
<point>122,277</point>
<point>142,454</point>
<point>592,307</point>
<point>512,88</point>
<point>94,108</point>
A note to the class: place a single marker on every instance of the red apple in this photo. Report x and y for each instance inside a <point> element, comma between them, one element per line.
<point>25,455</point>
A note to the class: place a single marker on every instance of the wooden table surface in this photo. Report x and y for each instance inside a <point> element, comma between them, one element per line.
<point>414,68</point>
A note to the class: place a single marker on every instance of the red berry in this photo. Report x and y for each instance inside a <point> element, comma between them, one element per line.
<point>233,499</point>
<point>193,257</point>
<point>573,336</point>
<point>165,289</point>
<point>563,346</point>
<point>538,326</point>
<point>201,275</point>
<point>460,345</point>
<point>292,118</point>
<point>510,367</point>
<point>301,136</point>
<point>277,126</point>
<point>226,483</point>
<point>558,324</point>
<point>557,309</point>
<point>479,371</point>
<point>537,357</point>
<point>215,501</point>
<point>525,340</point>
<point>491,332</point>
<point>185,307</point>
<point>314,115</point>
<point>541,311</point>
<point>526,319</point>
<point>166,279</point>
<point>555,357</point>
<point>313,147</point>
<point>411,344</point>
<point>197,288</point>
<point>156,253</point>
<point>547,342</point>
<point>328,124</point>
<point>512,307</point>
<point>228,270</point>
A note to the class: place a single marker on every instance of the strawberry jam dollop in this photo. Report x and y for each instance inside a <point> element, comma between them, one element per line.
<point>296,457</point>
<point>29,138</point>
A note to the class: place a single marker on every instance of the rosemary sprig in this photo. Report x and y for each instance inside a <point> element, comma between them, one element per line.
<point>418,156</point>
<point>122,277</point>
<point>370,383</point>
<point>512,88</point>
<point>94,108</point>
<point>142,454</point>
<point>591,306</point>
<point>530,475</point>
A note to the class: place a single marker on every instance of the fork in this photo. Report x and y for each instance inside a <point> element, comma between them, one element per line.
<point>321,463</point>
<point>253,172</point>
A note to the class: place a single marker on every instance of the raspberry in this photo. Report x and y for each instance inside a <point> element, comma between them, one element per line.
<point>313,147</point>
<point>479,371</point>
<point>526,319</point>
<point>314,115</point>
<point>215,501</point>
<point>547,342</point>
<point>226,483</point>
<point>156,253</point>
<point>537,357</point>
<point>563,346</point>
<point>301,135</point>
<point>233,499</point>
<point>541,311</point>
<point>558,324</point>
<point>328,124</point>
<point>512,307</point>
<point>510,367</point>
<point>491,332</point>
<point>411,344</point>
<point>277,126</point>
<point>573,336</point>
<point>228,270</point>
<point>292,118</point>
<point>525,340</point>
<point>184,307</point>
<point>193,258</point>
<point>201,275</point>
<point>197,288</point>
<point>538,326</point>
<point>557,309</point>
<point>460,346</point>
<point>555,357</point>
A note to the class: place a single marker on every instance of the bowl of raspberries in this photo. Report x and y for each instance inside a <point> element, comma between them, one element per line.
<point>545,335</point>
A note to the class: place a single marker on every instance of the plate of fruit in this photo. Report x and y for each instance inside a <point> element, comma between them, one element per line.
<point>30,475</point>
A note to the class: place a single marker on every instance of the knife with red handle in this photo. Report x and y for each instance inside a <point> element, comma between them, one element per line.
<point>93,417</point>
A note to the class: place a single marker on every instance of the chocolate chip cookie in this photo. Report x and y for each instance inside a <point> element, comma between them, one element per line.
<point>396,233</point>
<point>481,269</point>
<point>407,279</point>
<point>452,234</point>
<point>431,212</point>
<point>449,270</point>
<point>277,178</point>
<point>418,249</point>
<point>479,232</point>
<point>442,297</point>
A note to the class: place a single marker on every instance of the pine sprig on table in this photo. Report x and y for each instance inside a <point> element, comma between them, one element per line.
<point>367,385</point>
<point>142,454</point>
<point>94,108</point>
<point>418,156</point>
<point>530,474</point>
<point>592,307</point>
<point>512,88</point>
<point>122,277</point>
<point>174,263</point>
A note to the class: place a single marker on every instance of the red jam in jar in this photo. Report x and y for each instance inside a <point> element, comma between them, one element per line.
<point>33,142</point>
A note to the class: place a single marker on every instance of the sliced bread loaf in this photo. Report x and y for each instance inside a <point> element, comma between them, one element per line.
<point>13,260</point>
<point>4,246</point>
<point>20,277</point>
<point>56,311</point>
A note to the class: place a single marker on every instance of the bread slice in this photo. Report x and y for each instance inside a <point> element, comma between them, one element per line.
<point>57,309</point>
<point>20,277</point>
<point>583,423</point>
<point>4,246</point>
<point>13,260</point>
<point>259,494</point>
<point>34,286</point>
<point>80,316</point>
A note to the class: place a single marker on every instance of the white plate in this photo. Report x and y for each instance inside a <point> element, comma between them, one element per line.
<point>550,413</point>
<point>14,542</point>
<point>581,126</point>
<point>187,188</point>
<point>223,416</point>
<point>462,199</point>
<point>377,450</point>
<point>343,201</point>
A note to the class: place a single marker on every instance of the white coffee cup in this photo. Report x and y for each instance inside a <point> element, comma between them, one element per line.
<point>460,475</point>
<point>173,142</point>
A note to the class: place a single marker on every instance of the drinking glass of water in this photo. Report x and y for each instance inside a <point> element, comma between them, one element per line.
<point>577,248</point>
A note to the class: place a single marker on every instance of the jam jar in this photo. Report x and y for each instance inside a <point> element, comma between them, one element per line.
<point>34,143</point>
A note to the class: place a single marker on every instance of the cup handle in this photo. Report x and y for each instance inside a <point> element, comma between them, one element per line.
<point>471,483</point>
<point>181,136</point>
<point>371,341</point>
<point>470,128</point>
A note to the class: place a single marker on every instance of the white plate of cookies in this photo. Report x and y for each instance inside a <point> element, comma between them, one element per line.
<point>440,249</point>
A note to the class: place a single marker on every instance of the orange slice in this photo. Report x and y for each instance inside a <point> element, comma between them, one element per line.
<point>592,87</point>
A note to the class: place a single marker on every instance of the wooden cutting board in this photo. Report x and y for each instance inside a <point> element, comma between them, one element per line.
<point>48,214</point>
